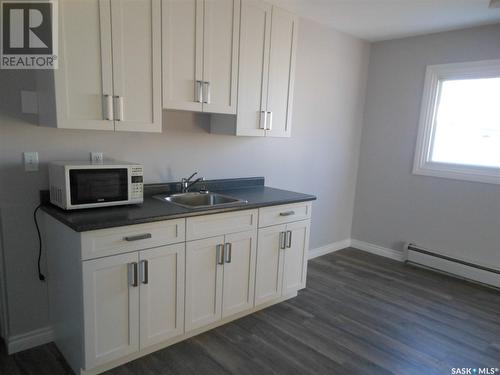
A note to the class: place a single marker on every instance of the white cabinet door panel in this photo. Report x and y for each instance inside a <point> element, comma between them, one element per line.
<point>281,71</point>
<point>161,294</point>
<point>203,283</point>
<point>111,309</point>
<point>295,257</point>
<point>84,75</point>
<point>269,272</point>
<point>220,56</point>
<point>137,64</point>
<point>255,38</point>
<point>182,39</point>
<point>239,273</point>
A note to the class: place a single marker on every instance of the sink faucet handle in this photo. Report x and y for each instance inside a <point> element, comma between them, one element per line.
<point>190,177</point>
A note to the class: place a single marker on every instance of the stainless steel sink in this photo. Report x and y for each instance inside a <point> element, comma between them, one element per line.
<point>200,200</point>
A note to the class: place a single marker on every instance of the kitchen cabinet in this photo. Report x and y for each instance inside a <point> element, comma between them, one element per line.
<point>268,44</point>
<point>161,297</point>
<point>109,77</point>
<point>283,248</point>
<point>219,277</point>
<point>120,293</point>
<point>200,55</point>
<point>281,260</point>
<point>132,301</point>
<point>111,303</point>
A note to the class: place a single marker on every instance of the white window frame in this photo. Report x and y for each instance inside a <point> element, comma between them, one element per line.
<point>435,74</point>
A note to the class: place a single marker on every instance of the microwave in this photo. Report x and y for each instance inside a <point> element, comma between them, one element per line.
<point>77,185</point>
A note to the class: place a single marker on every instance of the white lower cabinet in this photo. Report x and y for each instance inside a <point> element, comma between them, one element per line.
<point>281,260</point>
<point>161,272</point>
<point>220,274</point>
<point>116,296</point>
<point>111,308</point>
<point>132,301</point>
<point>203,282</point>
<point>239,272</point>
<point>269,278</point>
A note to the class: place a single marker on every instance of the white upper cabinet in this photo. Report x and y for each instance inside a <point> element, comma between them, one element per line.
<point>281,73</point>
<point>136,31</point>
<point>109,76</point>
<point>268,44</point>
<point>254,66</point>
<point>200,55</point>
<point>182,49</point>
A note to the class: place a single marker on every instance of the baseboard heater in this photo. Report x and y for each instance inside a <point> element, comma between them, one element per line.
<point>431,259</point>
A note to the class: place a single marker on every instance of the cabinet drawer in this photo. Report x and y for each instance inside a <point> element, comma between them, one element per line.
<point>111,241</point>
<point>284,214</point>
<point>219,224</point>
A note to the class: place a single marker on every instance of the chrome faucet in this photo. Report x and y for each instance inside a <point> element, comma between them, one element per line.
<point>186,183</point>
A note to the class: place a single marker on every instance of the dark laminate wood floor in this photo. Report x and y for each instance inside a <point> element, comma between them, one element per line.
<point>360,314</point>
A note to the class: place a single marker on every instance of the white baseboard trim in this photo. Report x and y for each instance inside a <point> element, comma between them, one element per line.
<point>330,248</point>
<point>29,340</point>
<point>378,250</point>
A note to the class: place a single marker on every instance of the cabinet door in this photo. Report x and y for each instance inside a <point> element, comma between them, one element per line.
<point>269,272</point>
<point>137,64</point>
<point>220,55</point>
<point>253,70</point>
<point>203,282</point>
<point>296,256</point>
<point>111,308</point>
<point>182,39</point>
<point>84,78</point>
<point>162,294</point>
<point>239,272</point>
<point>281,72</point>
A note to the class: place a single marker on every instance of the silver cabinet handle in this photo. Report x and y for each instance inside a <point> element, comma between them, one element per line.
<point>132,274</point>
<point>282,240</point>
<point>270,122</point>
<point>206,92</point>
<point>138,237</point>
<point>107,107</point>
<point>199,92</point>
<point>228,252</point>
<point>144,271</point>
<point>287,213</point>
<point>220,254</point>
<point>118,107</point>
<point>288,238</point>
<point>263,120</point>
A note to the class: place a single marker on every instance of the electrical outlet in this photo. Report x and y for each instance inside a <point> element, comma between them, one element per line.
<point>96,157</point>
<point>31,161</point>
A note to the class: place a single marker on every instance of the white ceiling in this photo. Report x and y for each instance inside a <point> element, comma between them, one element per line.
<point>376,20</point>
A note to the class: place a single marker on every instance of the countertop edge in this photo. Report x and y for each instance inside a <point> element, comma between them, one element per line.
<point>48,209</point>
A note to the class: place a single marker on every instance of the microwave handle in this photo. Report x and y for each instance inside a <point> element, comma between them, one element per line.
<point>138,237</point>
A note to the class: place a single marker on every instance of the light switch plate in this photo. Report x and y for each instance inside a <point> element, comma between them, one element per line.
<point>30,161</point>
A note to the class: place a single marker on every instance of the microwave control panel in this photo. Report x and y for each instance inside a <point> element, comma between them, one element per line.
<point>137,182</point>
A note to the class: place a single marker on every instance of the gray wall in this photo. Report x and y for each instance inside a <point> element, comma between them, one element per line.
<point>321,157</point>
<point>392,205</point>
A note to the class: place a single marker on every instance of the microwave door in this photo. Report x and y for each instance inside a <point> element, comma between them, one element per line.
<point>90,186</point>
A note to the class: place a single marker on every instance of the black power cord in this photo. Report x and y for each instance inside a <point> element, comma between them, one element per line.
<point>41,276</point>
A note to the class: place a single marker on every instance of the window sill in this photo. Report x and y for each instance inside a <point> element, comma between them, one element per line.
<point>459,172</point>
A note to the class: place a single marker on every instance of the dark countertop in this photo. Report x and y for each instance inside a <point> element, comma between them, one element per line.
<point>155,210</point>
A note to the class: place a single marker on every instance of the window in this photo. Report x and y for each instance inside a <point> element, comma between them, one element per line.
<point>459,134</point>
